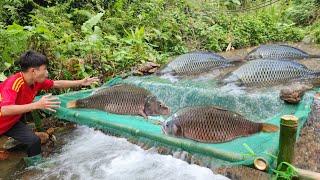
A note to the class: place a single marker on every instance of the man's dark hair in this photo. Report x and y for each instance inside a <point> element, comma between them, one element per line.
<point>32,59</point>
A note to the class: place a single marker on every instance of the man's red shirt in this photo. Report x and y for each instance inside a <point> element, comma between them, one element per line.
<point>15,91</point>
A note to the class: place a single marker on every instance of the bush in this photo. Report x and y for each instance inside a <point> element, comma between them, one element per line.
<point>303,12</point>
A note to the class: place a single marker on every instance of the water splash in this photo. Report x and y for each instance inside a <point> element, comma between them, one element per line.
<point>91,154</point>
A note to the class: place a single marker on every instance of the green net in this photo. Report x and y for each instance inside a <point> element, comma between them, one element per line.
<point>263,105</point>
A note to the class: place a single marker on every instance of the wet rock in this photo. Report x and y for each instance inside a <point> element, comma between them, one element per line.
<point>176,154</point>
<point>145,69</point>
<point>53,138</point>
<point>307,147</point>
<point>184,155</point>
<point>10,143</point>
<point>196,160</point>
<point>163,150</point>
<point>294,93</point>
<point>242,172</point>
<point>4,155</point>
<point>50,131</point>
<point>44,137</point>
<point>308,39</point>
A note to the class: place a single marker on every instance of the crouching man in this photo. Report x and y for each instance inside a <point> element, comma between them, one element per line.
<point>17,94</point>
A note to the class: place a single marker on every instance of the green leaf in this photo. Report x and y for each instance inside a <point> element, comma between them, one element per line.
<point>269,154</point>
<point>87,27</point>
<point>237,2</point>
<point>15,26</point>
<point>251,152</point>
<point>2,77</point>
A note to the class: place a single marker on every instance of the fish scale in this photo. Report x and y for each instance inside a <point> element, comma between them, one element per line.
<point>211,124</point>
<point>284,52</point>
<point>263,72</point>
<point>194,63</point>
<point>123,99</point>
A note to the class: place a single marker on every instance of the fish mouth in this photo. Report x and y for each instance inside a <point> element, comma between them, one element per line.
<point>166,111</point>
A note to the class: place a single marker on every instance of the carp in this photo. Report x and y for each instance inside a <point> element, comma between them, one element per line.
<point>264,72</point>
<point>194,63</point>
<point>123,99</point>
<point>283,52</point>
<point>210,124</point>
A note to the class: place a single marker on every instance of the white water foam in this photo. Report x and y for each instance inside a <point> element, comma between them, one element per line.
<point>90,154</point>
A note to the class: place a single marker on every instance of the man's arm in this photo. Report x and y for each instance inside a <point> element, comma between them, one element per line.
<point>47,102</point>
<point>75,83</point>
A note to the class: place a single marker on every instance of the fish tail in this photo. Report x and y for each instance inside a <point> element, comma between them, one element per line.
<point>316,74</point>
<point>72,104</point>
<point>314,78</point>
<point>314,56</point>
<point>269,127</point>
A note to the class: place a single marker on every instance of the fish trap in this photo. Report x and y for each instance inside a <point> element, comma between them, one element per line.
<point>263,105</point>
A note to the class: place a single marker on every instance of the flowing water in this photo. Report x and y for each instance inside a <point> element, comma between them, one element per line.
<point>90,154</point>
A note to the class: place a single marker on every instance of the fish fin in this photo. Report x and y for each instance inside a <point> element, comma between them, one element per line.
<point>269,127</point>
<point>177,130</point>
<point>285,45</point>
<point>236,61</point>
<point>72,104</point>
<point>143,114</point>
<point>314,56</point>
<point>252,51</point>
<point>316,74</point>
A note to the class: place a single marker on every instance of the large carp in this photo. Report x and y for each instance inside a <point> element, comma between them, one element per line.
<point>123,99</point>
<point>212,124</point>
<point>283,52</point>
<point>194,63</point>
<point>264,72</point>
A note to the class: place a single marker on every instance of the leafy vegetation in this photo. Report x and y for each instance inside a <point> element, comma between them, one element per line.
<point>289,173</point>
<point>104,38</point>
<point>284,170</point>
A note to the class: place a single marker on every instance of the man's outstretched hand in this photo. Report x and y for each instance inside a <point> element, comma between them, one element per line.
<point>48,102</point>
<point>89,81</point>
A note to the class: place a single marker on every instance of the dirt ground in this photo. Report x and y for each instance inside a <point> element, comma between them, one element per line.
<point>307,149</point>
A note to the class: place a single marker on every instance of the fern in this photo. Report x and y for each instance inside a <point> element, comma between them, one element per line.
<point>88,26</point>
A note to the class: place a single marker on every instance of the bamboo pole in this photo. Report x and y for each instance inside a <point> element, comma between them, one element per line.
<point>305,174</point>
<point>288,131</point>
